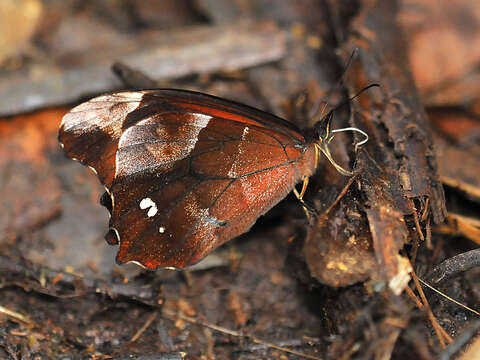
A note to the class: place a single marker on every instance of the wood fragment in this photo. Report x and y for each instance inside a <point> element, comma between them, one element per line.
<point>145,326</point>
<point>460,225</point>
<point>453,267</point>
<point>385,210</point>
<point>414,297</point>
<point>407,147</point>
<point>171,54</point>
<point>398,167</point>
<point>14,314</point>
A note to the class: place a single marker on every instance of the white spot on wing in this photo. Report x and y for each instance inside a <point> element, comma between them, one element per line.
<point>232,173</point>
<point>153,210</point>
<point>161,229</point>
<point>245,132</point>
<point>147,203</point>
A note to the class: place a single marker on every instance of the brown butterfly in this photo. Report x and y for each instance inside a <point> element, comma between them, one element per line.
<point>184,172</point>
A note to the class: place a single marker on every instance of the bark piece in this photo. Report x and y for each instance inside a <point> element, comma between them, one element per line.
<point>398,171</point>
<point>164,55</point>
<point>386,207</point>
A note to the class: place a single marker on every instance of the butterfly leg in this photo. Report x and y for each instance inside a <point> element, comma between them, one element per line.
<point>309,210</point>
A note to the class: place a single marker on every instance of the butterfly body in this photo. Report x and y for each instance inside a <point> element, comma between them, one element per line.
<point>184,172</point>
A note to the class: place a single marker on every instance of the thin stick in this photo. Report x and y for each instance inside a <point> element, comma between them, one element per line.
<point>426,209</point>
<point>441,333</point>
<point>337,85</point>
<point>14,315</point>
<point>449,298</point>
<point>428,237</point>
<point>413,297</point>
<point>173,314</point>
<point>144,327</point>
<point>341,195</point>
<point>417,223</point>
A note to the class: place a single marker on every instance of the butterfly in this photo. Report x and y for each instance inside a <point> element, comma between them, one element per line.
<point>184,172</point>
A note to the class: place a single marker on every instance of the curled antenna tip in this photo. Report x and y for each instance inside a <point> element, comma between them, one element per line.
<point>360,143</point>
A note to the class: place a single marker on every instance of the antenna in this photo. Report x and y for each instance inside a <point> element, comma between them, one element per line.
<point>337,85</point>
<point>325,133</point>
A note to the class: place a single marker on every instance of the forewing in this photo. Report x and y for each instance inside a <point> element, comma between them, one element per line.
<point>90,132</point>
<point>190,171</point>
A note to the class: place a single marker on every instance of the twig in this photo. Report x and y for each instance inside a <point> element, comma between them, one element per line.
<point>454,266</point>
<point>144,327</point>
<point>441,333</point>
<point>14,315</point>
<point>283,343</point>
<point>417,222</point>
<point>173,315</point>
<point>449,298</point>
<point>340,196</point>
<point>428,237</point>
<point>414,251</point>
<point>414,297</point>
<point>461,225</point>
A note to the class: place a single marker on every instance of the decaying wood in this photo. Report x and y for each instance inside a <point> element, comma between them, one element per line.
<point>396,118</point>
<point>454,266</point>
<point>397,168</point>
<point>162,55</point>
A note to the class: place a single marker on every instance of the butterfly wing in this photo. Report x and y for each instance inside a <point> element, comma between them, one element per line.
<point>185,172</point>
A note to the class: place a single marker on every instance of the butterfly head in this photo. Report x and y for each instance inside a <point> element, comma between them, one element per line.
<point>324,135</point>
